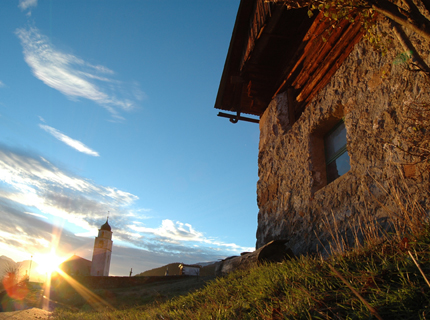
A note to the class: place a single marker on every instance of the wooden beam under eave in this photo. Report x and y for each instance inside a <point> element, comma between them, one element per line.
<point>293,39</point>
<point>261,42</point>
<point>275,50</point>
<point>326,78</point>
<point>311,46</point>
<point>317,51</point>
<point>294,66</point>
<point>257,24</point>
<point>332,61</point>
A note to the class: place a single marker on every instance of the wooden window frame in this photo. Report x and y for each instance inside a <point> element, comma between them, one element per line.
<point>329,160</point>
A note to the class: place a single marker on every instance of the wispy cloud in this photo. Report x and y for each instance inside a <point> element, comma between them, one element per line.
<point>171,230</point>
<point>1,84</point>
<point>25,4</point>
<point>73,76</point>
<point>75,144</point>
<point>36,215</point>
<point>176,233</point>
<point>35,182</point>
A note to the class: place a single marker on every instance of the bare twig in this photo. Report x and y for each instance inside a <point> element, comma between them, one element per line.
<point>419,268</point>
<point>369,307</point>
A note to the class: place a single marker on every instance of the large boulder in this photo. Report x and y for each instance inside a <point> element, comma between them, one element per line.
<point>274,251</point>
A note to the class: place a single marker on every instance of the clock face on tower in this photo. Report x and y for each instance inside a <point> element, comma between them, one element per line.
<point>100,244</point>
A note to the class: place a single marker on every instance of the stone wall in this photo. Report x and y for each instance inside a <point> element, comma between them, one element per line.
<point>374,94</point>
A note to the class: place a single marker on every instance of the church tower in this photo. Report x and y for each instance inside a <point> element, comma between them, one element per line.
<point>102,251</point>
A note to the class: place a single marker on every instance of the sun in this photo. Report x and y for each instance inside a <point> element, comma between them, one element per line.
<point>48,262</point>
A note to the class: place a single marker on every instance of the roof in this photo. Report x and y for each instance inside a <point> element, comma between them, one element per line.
<point>76,258</point>
<point>274,49</point>
<point>76,265</point>
<point>106,226</point>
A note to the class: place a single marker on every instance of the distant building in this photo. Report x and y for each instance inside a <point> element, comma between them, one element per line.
<point>76,266</point>
<point>102,251</point>
<point>189,269</point>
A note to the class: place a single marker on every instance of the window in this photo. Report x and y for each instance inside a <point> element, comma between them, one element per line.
<point>327,148</point>
<point>336,154</point>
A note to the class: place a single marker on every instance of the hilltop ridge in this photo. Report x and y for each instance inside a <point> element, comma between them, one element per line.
<point>208,269</point>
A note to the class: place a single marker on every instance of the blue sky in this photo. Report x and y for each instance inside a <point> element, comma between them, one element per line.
<point>108,106</point>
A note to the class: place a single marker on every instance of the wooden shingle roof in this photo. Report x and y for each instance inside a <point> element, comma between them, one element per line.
<point>275,48</point>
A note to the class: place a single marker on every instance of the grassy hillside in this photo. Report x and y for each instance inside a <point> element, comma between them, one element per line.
<point>380,281</point>
<point>126,297</point>
<point>205,271</point>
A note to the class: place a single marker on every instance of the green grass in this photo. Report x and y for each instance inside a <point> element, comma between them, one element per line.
<point>387,284</point>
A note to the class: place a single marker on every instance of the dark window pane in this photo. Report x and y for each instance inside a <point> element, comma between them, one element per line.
<point>338,167</point>
<point>335,141</point>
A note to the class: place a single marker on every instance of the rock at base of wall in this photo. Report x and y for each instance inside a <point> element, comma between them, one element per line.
<point>274,251</point>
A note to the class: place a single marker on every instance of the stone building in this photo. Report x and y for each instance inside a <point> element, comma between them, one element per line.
<point>340,122</point>
<point>102,251</point>
<point>76,266</point>
<point>189,269</point>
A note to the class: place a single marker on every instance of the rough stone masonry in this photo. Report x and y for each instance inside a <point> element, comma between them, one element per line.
<point>383,107</point>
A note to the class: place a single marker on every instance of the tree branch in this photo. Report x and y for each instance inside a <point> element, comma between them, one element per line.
<point>391,11</point>
<point>414,14</point>
<point>426,5</point>
<point>408,46</point>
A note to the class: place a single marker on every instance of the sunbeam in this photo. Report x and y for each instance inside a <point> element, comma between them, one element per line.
<point>93,300</point>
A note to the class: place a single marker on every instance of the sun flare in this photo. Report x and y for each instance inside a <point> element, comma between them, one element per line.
<point>48,262</point>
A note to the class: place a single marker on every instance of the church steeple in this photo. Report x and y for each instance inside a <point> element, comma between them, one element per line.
<point>106,226</point>
<point>102,251</point>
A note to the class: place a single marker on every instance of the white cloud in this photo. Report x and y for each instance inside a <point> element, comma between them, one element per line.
<point>1,84</point>
<point>177,232</point>
<point>36,215</point>
<point>75,144</point>
<point>86,234</point>
<point>171,230</point>
<point>35,182</point>
<point>25,4</point>
<point>74,77</point>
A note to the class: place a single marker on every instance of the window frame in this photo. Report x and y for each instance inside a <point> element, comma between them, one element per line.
<point>342,150</point>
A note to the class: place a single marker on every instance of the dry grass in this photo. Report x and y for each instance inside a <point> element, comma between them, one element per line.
<point>381,282</point>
